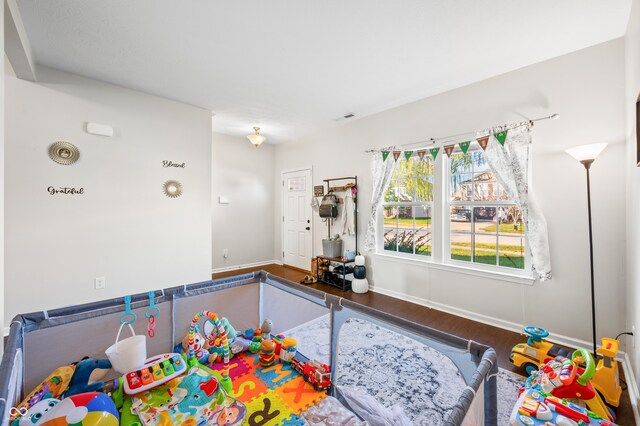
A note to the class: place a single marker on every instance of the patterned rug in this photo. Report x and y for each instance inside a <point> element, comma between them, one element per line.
<point>397,370</point>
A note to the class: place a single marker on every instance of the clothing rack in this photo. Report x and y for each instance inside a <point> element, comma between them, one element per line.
<point>448,140</point>
<point>355,201</point>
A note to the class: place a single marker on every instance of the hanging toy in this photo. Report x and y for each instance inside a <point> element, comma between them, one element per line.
<point>221,333</point>
<point>151,313</point>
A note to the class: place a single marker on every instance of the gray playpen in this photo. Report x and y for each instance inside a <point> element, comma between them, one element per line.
<point>39,342</point>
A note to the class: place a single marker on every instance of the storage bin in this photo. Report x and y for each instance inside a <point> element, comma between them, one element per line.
<point>332,248</point>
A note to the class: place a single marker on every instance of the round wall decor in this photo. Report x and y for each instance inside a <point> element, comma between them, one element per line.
<point>172,188</point>
<point>64,152</point>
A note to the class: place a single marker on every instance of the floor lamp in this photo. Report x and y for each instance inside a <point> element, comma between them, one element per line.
<point>586,154</point>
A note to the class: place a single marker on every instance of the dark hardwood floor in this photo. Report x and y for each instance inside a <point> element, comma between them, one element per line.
<point>499,339</point>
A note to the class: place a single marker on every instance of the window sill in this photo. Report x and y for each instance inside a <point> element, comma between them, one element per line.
<point>459,268</point>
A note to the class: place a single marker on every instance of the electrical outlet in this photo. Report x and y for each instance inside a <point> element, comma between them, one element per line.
<point>100,283</point>
<point>225,253</point>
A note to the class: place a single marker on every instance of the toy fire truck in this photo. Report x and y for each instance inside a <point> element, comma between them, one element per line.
<point>319,375</point>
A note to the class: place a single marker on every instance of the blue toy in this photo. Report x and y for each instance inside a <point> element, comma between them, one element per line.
<point>200,391</point>
<point>535,407</point>
<point>88,370</point>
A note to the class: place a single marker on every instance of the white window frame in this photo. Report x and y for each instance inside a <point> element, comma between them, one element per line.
<point>446,229</point>
<point>440,257</point>
<point>398,204</point>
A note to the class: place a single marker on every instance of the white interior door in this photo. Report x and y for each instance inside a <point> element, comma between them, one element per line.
<point>296,217</point>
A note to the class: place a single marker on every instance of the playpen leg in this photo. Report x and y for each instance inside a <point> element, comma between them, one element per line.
<point>491,398</point>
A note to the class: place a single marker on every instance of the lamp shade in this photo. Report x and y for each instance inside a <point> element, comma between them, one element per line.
<point>256,138</point>
<point>586,152</point>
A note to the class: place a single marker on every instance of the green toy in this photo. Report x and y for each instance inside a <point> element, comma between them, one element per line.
<point>127,418</point>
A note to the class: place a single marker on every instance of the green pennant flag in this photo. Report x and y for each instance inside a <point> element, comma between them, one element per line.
<point>434,152</point>
<point>408,154</point>
<point>385,154</point>
<point>464,146</point>
<point>501,136</point>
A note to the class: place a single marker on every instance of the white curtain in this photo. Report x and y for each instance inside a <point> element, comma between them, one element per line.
<point>510,164</point>
<point>381,171</point>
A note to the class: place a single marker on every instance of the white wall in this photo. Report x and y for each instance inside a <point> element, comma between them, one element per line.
<point>586,88</point>
<point>632,47</point>
<point>2,189</point>
<point>123,228</point>
<point>244,175</point>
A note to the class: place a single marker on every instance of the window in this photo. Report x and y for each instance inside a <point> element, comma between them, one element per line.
<point>485,226</point>
<point>482,227</point>
<point>408,206</point>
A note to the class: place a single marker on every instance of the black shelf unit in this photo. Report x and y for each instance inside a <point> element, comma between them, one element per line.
<point>341,283</point>
<point>337,280</point>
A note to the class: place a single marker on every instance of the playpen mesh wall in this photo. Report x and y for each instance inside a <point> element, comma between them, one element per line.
<point>39,342</point>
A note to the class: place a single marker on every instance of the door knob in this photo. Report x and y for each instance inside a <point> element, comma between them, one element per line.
<point>307,228</point>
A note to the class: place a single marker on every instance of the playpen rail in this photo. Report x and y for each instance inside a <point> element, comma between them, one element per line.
<point>483,357</point>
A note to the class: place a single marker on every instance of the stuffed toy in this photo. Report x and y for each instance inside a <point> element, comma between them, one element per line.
<point>87,375</point>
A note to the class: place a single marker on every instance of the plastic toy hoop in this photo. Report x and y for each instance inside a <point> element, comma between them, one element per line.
<point>589,369</point>
<point>129,317</point>
<point>222,334</point>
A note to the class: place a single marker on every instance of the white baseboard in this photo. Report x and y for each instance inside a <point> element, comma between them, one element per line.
<point>632,386</point>
<point>5,331</point>
<point>246,265</point>
<point>485,319</point>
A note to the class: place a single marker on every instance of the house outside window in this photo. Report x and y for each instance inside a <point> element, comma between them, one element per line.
<point>485,226</point>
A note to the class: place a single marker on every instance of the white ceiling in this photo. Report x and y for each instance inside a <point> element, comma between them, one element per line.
<point>294,66</point>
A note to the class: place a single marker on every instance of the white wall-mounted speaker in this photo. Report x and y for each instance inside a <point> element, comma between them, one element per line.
<point>100,129</point>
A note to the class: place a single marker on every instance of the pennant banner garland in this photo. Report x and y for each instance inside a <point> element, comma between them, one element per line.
<point>501,136</point>
<point>483,142</point>
<point>434,152</point>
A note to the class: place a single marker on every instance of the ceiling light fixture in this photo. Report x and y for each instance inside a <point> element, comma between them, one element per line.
<point>256,138</point>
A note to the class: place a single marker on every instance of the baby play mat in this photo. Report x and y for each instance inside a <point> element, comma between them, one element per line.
<point>273,395</point>
<point>263,396</point>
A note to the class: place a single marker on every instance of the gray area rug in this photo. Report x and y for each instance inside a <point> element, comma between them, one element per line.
<point>397,370</point>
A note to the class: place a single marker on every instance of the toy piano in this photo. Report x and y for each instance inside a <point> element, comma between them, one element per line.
<point>156,371</point>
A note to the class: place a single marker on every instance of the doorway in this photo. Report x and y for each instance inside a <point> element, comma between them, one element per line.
<point>297,244</point>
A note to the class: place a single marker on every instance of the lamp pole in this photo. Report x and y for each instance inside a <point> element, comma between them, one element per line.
<point>586,155</point>
<point>587,165</point>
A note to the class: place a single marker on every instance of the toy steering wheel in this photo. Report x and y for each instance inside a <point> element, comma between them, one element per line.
<point>590,365</point>
<point>536,334</point>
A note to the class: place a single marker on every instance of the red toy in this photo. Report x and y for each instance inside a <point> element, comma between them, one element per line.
<point>319,375</point>
<point>565,378</point>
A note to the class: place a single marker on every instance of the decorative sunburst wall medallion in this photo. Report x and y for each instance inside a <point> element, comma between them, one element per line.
<point>172,188</point>
<point>64,152</point>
